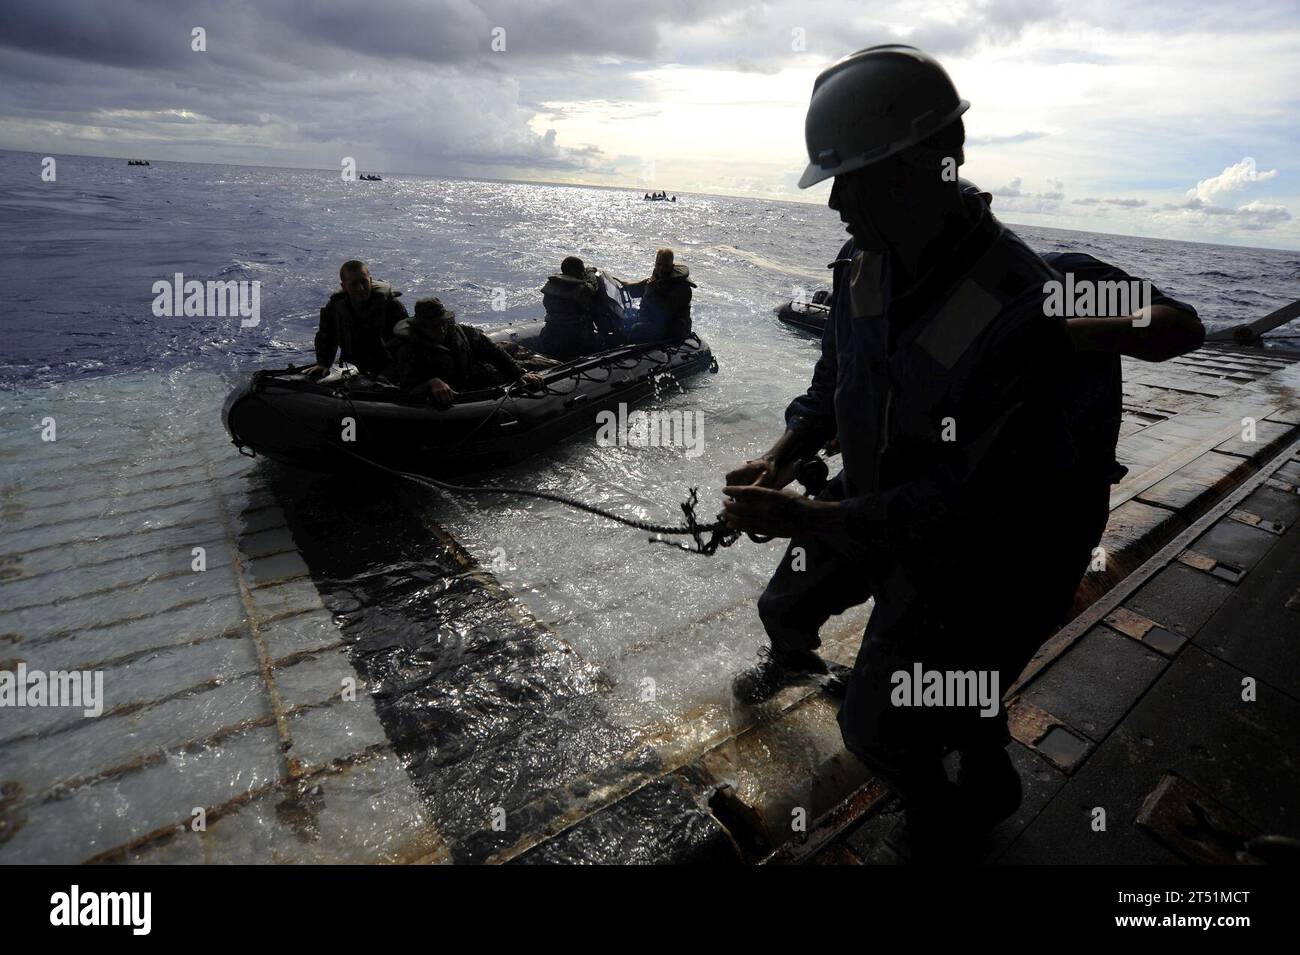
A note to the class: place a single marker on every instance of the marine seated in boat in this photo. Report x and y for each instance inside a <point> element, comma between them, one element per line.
<point>433,355</point>
<point>356,322</point>
<point>570,299</point>
<point>665,301</point>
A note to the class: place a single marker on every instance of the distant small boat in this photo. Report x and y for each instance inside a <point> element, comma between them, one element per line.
<point>659,197</point>
<point>808,316</point>
<point>137,162</point>
<point>370,177</point>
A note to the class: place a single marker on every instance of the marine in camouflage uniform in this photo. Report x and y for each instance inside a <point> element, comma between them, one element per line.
<point>431,347</point>
<point>357,321</point>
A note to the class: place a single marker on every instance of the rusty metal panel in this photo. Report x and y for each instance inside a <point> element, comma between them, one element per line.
<point>1047,735</point>
<point>1196,826</point>
<point>1192,559</point>
<point>1029,723</point>
<point>1066,749</point>
<point>1129,623</point>
<point>1147,631</point>
<point>1254,520</point>
<point>1164,641</point>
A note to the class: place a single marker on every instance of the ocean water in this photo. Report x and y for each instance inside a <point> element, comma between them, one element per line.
<point>80,256</point>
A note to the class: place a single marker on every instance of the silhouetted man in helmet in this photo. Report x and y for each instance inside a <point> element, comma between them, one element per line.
<point>947,385</point>
<point>798,600</point>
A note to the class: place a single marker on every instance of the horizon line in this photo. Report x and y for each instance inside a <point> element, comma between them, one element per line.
<point>584,185</point>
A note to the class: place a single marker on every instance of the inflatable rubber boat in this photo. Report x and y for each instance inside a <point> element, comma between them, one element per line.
<point>341,425</point>
<point>808,316</point>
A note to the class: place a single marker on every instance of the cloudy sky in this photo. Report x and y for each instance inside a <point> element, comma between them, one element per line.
<point>1174,119</point>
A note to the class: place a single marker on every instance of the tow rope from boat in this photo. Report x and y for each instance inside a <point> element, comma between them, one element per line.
<point>708,538</point>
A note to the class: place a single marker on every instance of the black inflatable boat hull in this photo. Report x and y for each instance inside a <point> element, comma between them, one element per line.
<point>805,316</point>
<point>303,424</point>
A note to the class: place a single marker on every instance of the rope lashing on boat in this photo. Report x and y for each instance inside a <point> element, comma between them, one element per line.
<point>707,537</point>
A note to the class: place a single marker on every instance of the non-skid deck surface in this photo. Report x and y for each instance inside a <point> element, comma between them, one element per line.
<point>223,687</point>
<point>1178,715</point>
<point>1168,732</point>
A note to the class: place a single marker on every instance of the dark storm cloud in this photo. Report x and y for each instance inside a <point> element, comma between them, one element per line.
<point>281,38</point>
<point>155,35</point>
<point>414,84</point>
<point>121,34</point>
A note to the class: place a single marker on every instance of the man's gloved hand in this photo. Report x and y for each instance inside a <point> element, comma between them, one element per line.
<point>314,371</point>
<point>532,380</point>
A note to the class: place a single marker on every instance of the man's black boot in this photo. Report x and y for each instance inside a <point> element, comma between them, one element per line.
<point>990,783</point>
<point>937,831</point>
<point>774,671</point>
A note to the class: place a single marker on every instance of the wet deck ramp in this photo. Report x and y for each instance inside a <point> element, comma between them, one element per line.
<point>344,682</point>
<point>222,686</point>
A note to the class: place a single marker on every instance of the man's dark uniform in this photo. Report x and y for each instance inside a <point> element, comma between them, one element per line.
<point>570,321</point>
<point>359,332</point>
<point>1096,406</point>
<point>797,603</point>
<point>951,402</point>
<point>665,313</point>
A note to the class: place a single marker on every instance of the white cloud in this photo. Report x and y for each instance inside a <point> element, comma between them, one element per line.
<point>1254,216</point>
<point>1233,178</point>
<point>1034,201</point>
<point>1260,215</point>
<point>1123,202</point>
<point>1010,190</point>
